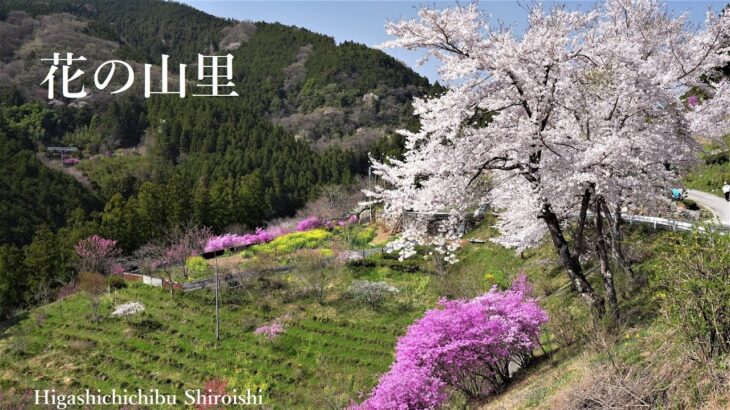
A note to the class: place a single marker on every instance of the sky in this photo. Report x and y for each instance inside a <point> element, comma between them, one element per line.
<point>363,21</point>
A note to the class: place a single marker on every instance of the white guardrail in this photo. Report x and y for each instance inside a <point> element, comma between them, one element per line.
<point>663,223</point>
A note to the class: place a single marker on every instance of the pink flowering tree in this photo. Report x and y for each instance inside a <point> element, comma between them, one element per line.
<point>229,241</point>
<point>581,112</point>
<point>97,254</point>
<point>170,253</point>
<point>463,345</point>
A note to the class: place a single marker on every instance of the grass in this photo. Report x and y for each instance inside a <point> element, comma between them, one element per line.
<point>713,170</point>
<point>644,348</point>
<point>709,178</point>
<point>543,385</point>
<point>331,351</point>
<point>172,346</point>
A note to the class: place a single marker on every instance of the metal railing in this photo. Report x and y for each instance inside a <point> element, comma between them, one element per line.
<point>664,223</point>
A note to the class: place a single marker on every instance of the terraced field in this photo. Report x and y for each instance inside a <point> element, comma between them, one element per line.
<point>332,350</point>
<point>172,347</point>
<point>328,353</point>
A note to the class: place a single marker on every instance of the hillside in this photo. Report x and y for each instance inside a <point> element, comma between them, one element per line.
<point>335,344</point>
<point>529,243</point>
<point>308,112</point>
<point>332,351</point>
<point>302,80</point>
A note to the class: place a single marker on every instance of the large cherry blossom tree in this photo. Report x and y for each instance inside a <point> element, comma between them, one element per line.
<point>581,115</point>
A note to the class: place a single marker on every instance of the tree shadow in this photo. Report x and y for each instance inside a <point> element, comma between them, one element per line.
<point>8,323</point>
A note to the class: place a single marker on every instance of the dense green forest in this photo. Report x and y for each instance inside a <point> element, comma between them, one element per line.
<point>151,164</point>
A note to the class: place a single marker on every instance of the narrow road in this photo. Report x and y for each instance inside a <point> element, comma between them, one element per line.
<point>718,206</point>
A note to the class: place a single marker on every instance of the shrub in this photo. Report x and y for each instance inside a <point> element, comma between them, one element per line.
<point>353,263</point>
<point>93,284</point>
<point>293,241</point>
<point>316,271</point>
<point>115,282</point>
<point>372,293</point>
<point>360,236</point>
<point>270,331</point>
<point>197,267</point>
<point>308,223</point>
<point>466,345</point>
<point>696,272</point>
<point>212,391</point>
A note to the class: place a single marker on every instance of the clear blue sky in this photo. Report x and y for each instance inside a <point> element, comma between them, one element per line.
<point>362,21</point>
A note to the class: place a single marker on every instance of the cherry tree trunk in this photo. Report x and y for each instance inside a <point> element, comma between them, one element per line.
<point>571,263</point>
<point>616,240</point>
<point>602,252</point>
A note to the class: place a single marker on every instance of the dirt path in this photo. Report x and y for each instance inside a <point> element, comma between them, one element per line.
<point>58,166</point>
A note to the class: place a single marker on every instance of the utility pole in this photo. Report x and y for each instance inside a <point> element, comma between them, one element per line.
<point>370,188</point>
<point>217,304</point>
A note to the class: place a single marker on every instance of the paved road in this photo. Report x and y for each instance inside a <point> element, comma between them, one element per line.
<point>714,203</point>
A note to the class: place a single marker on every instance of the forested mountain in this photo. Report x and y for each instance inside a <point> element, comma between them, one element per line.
<point>307,113</point>
<point>300,79</point>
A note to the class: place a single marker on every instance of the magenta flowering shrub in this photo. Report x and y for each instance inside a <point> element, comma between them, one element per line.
<point>308,223</point>
<point>227,241</point>
<point>465,345</point>
<point>270,331</point>
<point>70,161</point>
<point>268,235</point>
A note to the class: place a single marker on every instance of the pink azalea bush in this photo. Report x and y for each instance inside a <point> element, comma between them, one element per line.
<point>465,345</point>
<point>308,223</point>
<point>270,331</point>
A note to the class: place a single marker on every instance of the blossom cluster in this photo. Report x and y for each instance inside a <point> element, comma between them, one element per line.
<point>96,254</point>
<point>71,161</point>
<point>466,345</point>
<point>227,241</point>
<point>270,331</point>
<point>117,269</point>
<point>308,223</point>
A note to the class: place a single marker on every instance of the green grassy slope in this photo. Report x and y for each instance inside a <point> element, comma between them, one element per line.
<point>331,352</point>
<point>172,346</point>
<point>713,170</point>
